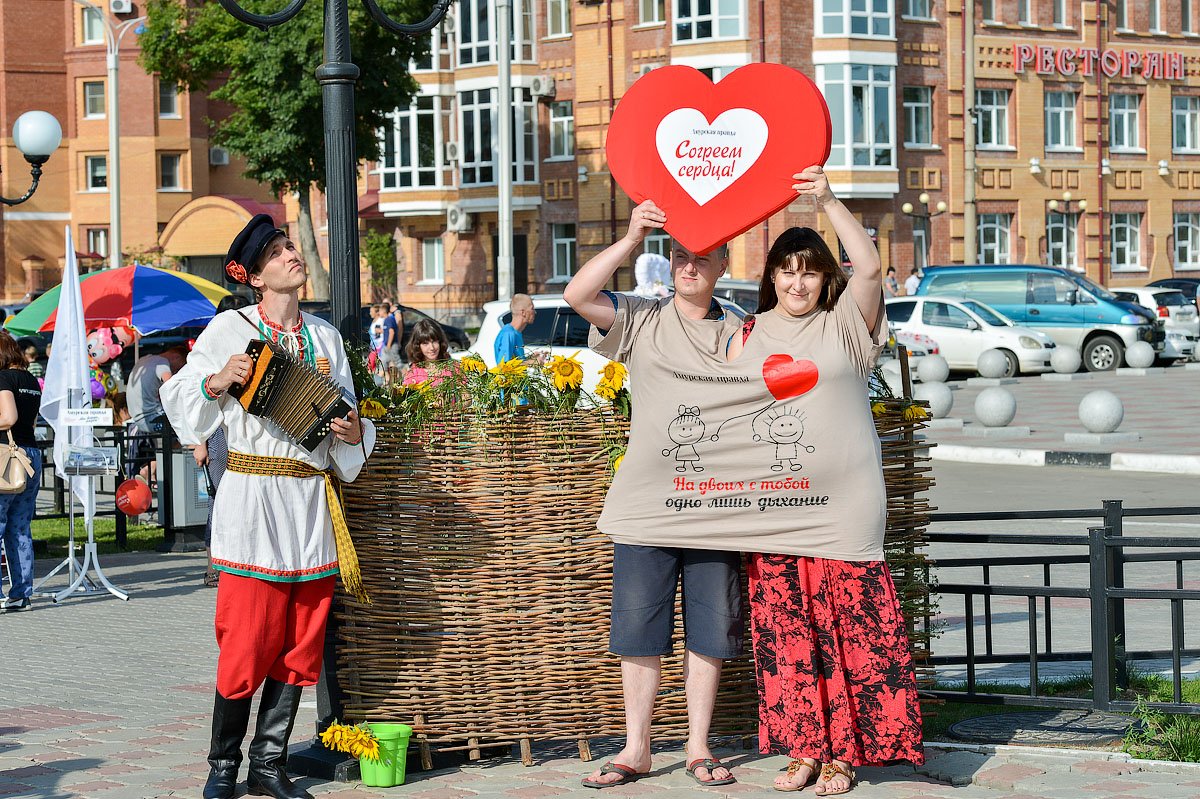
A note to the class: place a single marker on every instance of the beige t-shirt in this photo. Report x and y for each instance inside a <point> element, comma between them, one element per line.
<point>775,452</point>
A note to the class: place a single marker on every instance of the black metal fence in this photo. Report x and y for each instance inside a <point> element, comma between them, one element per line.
<point>1104,550</point>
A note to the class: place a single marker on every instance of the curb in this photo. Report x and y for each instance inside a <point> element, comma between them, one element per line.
<point>1116,461</point>
<point>1051,755</point>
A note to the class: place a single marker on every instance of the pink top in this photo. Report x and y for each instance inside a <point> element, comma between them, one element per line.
<point>434,374</point>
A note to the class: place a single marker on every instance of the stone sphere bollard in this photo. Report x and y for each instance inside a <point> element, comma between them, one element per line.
<point>894,382</point>
<point>1139,355</point>
<point>891,367</point>
<point>1065,360</point>
<point>992,363</point>
<point>995,406</point>
<point>938,395</point>
<point>1101,412</point>
<point>933,369</point>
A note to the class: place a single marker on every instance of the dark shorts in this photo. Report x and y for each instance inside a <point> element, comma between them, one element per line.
<point>643,609</point>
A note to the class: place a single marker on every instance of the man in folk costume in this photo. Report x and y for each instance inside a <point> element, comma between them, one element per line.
<point>279,534</point>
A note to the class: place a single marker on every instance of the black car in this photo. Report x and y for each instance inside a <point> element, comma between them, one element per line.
<point>1190,286</point>
<point>458,338</point>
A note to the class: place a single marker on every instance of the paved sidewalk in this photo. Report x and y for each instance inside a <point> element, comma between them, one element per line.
<point>110,700</point>
<point>1162,407</point>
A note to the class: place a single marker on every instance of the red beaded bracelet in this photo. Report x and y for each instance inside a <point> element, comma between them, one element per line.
<point>208,394</point>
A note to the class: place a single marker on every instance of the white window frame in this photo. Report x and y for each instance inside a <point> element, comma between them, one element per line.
<point>912,117</point>
<point>725,20</point>
<point>174,94</point>
<point>1187,242</point>
<point>89,171</point>
<point>1125,119</point>
<point>558,19</point>
<point>564,252</point>
<point>435,53</point>
<point>91,26</point>
<point>433,253</point>
<point>999,248</point>
<point>988,11</point>
<point>1185,16</point>
<point>88,113</point>
<point>483,50</point>
<point>838,83</point>
<point>524,157</point>
<point>1062,240</point>
<point>1024,12</point>
<point>994,104</point>
<point>1155,8</point>
<point>918,9</point>
<point>838,18</point>
<point>1060,14</point>
<point>163,160</point>
<point>394,141</point>
<point>97,240</point>
<point>479,104</point>
<point>1060,120</point>
<point>1125,237</point>
<point>1185,110</point>
<point>920,236</point>
<point>658,242</point>
<point>652,12</point>
<point>1122,15</point>
<point>562,131</point>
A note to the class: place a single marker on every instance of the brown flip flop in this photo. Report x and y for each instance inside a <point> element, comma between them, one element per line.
<point>628,775</point>
<point>710,764</point>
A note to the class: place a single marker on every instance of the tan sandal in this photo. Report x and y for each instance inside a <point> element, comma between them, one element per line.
<point>831,770</point>
<point>794,767</point>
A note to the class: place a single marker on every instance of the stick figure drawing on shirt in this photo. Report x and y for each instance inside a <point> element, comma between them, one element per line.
<point>685,430</point>
<point>785,428</point>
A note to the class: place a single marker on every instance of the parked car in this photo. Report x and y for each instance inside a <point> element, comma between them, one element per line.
<point>743,292</point>
<point>557,330</point>
<point>1190,286</point>
<point>458,338</point>
<point>1065,305</point>
<point>965,328</point>
<point>1182,320</point>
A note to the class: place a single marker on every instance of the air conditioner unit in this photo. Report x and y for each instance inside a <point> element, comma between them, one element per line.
<point>542,86</point>
<point>448,24</point>
<point>120,6</point>
<point>458,220</point>
<point>453,152</point>
<point>647,68</point>
<point>218,156</point>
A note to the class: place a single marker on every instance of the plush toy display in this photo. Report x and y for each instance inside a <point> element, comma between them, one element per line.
<point>104,346</point>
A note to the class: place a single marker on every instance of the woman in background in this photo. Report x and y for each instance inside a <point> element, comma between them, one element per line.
<point>20,401</point>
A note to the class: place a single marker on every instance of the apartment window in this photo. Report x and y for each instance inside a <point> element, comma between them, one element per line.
<point>1185,122</point>
<point>696,20</point>
<point>652,12</point>
<point>558,17</point>
<point>477,160</point>
<point>992,235</point>
<point>97,240</point>
<point>715,73</point>
<point>1125,234</point>
<point>563,238</point>
<point>918,116</point>
<point>991,128</point>
<point>658,243</point>
<point>1060,120</point>
<point>1061,238</point>
<point>433,264</point>
<point>96,169</point>
<point>93,26</point>
<point>861,105</point>
<point>524,140</point>
<point>410,147</point>
<point>1023,15</point>
<point>168,100</point>
<point>989,10</point>
<point>1122,14</point>
<point>477,31</point>
<point>93,99</point>
<point>1185,16</point>
<point>562,129</point>
<point>429,61</point>
<point>1123,123</point>
<point>1187,241</point>
<point>1155,10</point>
<point>918,9</point>
<point>1060,13</point>
<point>856,17</point>
<point>920,236</point>
<point>169,171</point>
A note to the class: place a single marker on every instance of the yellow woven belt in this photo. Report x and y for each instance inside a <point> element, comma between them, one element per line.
<point>287,467</point>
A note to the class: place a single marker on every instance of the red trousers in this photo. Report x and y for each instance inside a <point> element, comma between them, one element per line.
<point>269,629</point>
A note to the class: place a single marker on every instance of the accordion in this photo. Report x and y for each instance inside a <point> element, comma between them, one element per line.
<point>297,398</point>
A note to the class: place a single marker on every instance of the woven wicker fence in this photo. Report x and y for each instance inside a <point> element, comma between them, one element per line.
<point>491,586</point>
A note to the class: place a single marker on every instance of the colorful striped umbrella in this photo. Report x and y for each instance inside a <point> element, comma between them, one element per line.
<point>143,297</point>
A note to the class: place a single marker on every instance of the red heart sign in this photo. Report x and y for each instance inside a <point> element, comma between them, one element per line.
<point>787,377</point>
<point>718,158</point>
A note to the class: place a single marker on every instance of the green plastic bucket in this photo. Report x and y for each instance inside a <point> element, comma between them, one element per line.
<point>388,770</point>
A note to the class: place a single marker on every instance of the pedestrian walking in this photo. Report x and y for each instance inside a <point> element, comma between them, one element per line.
<point>20,402</point>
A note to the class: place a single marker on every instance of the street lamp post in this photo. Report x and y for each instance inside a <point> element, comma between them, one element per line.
<point>114,32</point>
<point>37,135</point>
<point>337,77</point>
<point>908,210</point>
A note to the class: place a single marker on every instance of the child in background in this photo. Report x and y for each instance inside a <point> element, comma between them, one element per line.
<point>428,349</point>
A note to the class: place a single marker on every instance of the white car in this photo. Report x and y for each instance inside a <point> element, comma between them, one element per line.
<point>1182,321</point>
<point>556,330</point>
<point>965,328</point>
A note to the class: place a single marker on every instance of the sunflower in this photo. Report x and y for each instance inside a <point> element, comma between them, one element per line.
<point>606,391</point>
<point>473,363</point>
<point>372,409</point>
<point>914,412</point>
<point>617,462</point>
<point>509,372</point>
<point>567,373</point>
<point>613,374</point>
<point>878,409</point>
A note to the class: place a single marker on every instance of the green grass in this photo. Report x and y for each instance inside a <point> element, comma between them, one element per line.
<point>139,537</point>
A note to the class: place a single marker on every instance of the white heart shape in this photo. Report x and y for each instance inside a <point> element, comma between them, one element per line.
<point>705,158</point>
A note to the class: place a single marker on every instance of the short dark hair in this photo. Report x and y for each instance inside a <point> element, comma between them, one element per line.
<point>802,247</point>
<point>11,354</point>
<point>232,302</point>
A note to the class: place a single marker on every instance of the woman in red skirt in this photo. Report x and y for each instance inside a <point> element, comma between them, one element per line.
<point>835,677</point>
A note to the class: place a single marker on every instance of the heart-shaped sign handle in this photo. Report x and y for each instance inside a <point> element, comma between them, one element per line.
<point>787,377</point>
<point>718,158</point>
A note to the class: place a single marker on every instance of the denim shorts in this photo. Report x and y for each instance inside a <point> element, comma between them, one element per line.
<point>643,609</point>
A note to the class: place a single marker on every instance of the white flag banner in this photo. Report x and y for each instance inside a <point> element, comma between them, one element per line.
<point>68,382</point>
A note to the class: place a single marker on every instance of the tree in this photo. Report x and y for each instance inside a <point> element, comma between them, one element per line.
<point>268,79</point>
<point>379,249</point>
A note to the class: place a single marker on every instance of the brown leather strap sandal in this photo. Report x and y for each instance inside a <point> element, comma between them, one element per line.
<point>831,770</point>
<point>628,775</point>
<point>794,768</point>
<point>711,764</point>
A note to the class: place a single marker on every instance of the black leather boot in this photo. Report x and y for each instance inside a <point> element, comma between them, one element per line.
<point>268,750</point>
<point>230,717</point>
